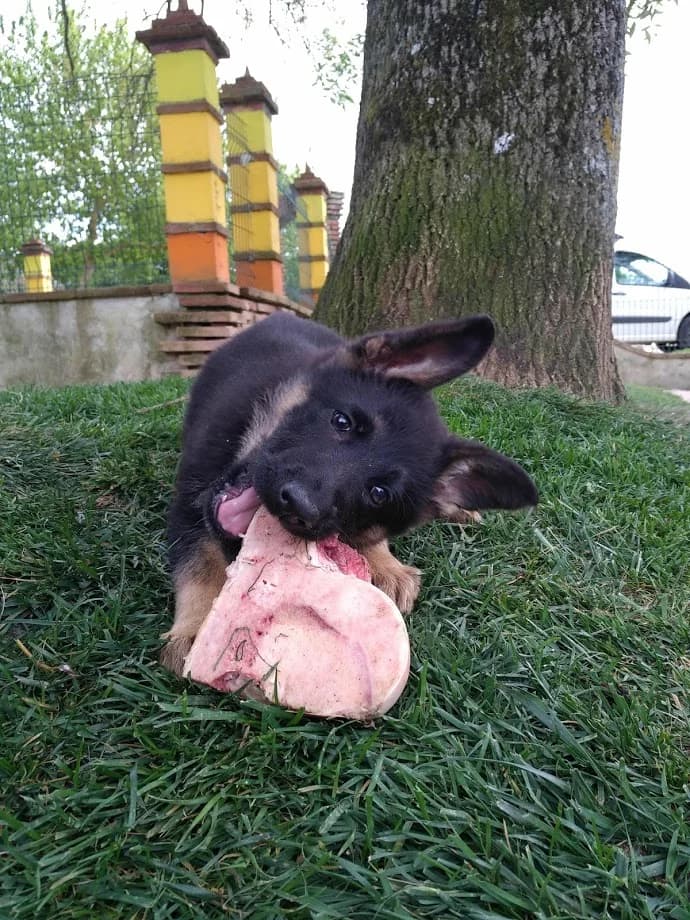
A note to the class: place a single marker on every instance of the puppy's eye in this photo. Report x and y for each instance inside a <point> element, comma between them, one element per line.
<point>341,422</point>
<point>379,494</point>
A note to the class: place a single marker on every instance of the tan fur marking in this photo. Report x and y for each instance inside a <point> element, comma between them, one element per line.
<point>448,511</point>
<point>197,585</point>
<point>445,497</point>
<point>377,349</point>
<point>400,582</point>
<point>444,501</point>
<point>368,537</point>
<point>270,413</point>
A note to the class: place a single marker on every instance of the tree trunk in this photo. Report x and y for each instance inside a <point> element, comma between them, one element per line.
<point>485,181</point>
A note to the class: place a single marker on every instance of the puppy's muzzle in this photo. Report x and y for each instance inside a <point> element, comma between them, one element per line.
<point>298,508</point>
<point>301,514</point>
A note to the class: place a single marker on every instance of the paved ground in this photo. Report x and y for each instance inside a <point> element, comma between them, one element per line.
<point>684,394</point>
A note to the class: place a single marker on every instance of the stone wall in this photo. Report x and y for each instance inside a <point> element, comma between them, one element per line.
<point>97,336</point>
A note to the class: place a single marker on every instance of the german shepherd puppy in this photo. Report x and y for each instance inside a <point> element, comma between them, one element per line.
<point>333,436</point>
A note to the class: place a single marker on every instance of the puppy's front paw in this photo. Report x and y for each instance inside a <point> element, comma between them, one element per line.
<point>400,582</point>
<point>174,652</point>
<point>197,584</point>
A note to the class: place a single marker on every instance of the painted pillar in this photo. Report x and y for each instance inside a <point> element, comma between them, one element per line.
<point>186,51</point>
<point>312,238</point>
<point>249,109</point>
<point>37,269</point>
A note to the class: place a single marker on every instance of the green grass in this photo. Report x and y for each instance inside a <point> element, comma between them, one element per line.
<point>537,765</point>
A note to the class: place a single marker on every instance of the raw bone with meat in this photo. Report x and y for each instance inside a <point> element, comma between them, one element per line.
<point>300,624</point>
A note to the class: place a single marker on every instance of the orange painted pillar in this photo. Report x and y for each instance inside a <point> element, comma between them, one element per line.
<point>249,108</point>
<point>186,51</point>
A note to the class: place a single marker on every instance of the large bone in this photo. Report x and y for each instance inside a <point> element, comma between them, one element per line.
<point>290,627</point>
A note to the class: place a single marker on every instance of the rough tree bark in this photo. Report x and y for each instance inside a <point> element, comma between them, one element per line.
<point>485,181</point>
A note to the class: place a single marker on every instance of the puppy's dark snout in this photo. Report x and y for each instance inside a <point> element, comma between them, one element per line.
<point>297,502</point>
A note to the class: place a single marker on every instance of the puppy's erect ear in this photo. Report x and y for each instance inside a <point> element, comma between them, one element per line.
<point>428,355</point>
<point>474,478</point>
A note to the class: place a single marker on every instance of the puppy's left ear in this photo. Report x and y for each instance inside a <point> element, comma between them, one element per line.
<point>428,355</point>
<point>475,478</point>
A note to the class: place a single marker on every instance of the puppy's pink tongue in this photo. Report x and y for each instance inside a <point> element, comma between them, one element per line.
<point>234,513</point>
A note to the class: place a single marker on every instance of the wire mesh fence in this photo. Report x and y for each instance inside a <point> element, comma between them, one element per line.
<point>239,157</point>
<point>241,238</point>
<point>290,209</point>
<point>80,169</point>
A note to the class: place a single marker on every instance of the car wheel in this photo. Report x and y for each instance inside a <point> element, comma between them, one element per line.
<point>684,332</point>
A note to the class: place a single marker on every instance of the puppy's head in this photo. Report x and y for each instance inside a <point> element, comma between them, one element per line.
<point>357,447</point>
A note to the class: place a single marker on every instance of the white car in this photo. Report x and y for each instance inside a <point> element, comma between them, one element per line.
<point>650,302</point>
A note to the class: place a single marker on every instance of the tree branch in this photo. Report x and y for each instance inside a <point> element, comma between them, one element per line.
<point>65,31</point>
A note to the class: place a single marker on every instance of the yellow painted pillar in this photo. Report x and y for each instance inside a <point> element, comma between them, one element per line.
<point>249,108</point>
<point>186,51</point>
<point>37,269</point>
<point>312,237</point>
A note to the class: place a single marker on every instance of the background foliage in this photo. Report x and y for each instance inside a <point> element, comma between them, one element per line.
<point>79,152</point>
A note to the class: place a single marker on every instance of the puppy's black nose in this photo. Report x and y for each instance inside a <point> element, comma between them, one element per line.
<point>298,504</point>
